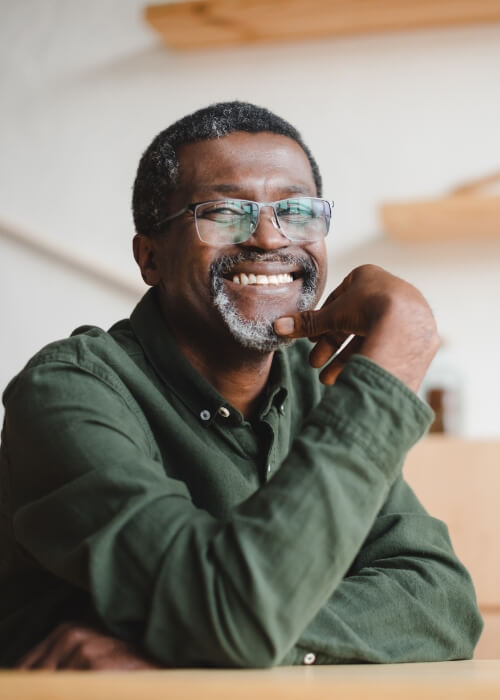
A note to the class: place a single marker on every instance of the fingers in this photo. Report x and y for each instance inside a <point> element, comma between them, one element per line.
<point>50,652</point>
<point>329,374</point>
<point>325,348</point>
<point>330,318</point>
<point>392,316</point>
<point>107,654</point>
<point>72,646</point>
<point>308,324</point>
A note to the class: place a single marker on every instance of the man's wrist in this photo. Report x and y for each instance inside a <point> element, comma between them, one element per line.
<point>401,349</point>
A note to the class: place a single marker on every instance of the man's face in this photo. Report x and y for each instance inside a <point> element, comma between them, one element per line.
<point>199,282</point>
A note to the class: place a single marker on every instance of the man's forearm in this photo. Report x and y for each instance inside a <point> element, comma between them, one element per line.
<point>229,593</point>
<point>405,599</point>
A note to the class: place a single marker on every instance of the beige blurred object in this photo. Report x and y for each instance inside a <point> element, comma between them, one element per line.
<point>469,211</point>
<point>458,481</point>
<point>215,23</point>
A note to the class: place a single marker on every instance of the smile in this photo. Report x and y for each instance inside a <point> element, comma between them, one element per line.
<point>251,278</point>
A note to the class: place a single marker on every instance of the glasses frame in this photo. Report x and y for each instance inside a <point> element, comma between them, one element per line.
<point>194,207</point>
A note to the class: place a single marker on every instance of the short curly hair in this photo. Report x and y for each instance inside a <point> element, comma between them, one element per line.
<point>158,169</point>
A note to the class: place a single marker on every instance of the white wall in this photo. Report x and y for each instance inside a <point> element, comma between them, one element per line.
<point>86,86</point>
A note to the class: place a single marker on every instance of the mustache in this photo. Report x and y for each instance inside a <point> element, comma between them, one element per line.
<point>225,263</point>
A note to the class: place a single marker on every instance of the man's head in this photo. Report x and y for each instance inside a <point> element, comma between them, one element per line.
<point>229,150</point>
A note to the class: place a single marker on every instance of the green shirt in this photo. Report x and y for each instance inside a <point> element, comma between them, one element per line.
<point>132,493</point>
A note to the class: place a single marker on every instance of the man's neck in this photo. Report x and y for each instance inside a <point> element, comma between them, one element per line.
<point>240,384</point>
<point>239,374</point>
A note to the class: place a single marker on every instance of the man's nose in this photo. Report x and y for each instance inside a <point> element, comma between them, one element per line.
<point>267,235</point>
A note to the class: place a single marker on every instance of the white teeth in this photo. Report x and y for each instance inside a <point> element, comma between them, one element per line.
<point>251,278</point>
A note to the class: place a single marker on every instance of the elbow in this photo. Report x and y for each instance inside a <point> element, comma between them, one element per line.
<point>228,642</point>
<point>464,624</point>
<point>469,627</point>
<point>255,649</point>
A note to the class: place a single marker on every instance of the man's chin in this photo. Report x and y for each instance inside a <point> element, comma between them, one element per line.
<point>259,342</point>
<point>249,311</point>
<point>253,334</point>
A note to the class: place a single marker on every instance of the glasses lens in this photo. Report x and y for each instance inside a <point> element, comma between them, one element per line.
<point>304,218</point>
<point>226,221</point>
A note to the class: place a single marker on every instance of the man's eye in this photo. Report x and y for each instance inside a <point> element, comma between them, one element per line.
<point>227,210</point>
<point>223,212</point>
<point>296,213</point>
<point>295,210</point>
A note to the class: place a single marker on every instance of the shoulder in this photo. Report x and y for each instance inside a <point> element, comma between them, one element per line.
<point>89,350</point>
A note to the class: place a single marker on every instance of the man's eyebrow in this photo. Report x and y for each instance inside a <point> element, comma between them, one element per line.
<point>230,188</point>
<point>218,188</point>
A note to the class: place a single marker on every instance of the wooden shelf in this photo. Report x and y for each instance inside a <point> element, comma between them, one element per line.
<point>215,23</point>
<point>470,211</point>
<point>446,219</point>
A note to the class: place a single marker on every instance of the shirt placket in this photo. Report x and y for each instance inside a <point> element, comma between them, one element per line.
<point>270,427</point>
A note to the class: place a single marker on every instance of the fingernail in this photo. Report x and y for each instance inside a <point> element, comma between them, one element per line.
<point>284,326</point>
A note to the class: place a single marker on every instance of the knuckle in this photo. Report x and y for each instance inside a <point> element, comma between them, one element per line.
<point>309,324</point>
<point>75,635</point>
<point>87,648</point>
<point>365,269</point>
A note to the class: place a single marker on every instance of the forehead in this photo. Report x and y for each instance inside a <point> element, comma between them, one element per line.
<point>241,158</point>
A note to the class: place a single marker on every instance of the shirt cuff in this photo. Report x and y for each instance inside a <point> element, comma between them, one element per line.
<point>376,410</point>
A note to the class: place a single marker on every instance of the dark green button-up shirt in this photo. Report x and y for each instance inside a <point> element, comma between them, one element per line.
<point>132,493</point>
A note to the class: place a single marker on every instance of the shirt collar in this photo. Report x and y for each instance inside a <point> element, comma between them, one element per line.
<point>177,373</point>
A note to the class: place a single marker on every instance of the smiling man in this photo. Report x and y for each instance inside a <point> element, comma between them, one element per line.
<point>186,489</point>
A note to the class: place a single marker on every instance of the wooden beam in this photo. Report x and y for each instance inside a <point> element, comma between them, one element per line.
<point>73,262</point>
<point>214,23</point>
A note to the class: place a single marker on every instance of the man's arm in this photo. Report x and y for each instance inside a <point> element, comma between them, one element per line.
<point>405,598</point>
<point>92,507</point>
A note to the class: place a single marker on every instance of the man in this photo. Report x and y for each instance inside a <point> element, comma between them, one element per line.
<point>184,488</point>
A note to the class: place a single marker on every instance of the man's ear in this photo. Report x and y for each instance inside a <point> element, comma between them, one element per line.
<point>145,256</point>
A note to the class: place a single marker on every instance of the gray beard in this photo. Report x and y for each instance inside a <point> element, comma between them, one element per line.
<point>258,333</point>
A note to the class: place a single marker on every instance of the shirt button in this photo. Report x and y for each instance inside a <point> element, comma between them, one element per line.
<point>309,658</point>
<point>205,415</point>
<point>268,468</point>
<point>223,412</point>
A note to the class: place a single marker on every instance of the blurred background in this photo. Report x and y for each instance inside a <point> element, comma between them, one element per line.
<point>394,116</point>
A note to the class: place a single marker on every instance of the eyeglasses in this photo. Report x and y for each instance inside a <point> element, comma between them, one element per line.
<point>230,221</point>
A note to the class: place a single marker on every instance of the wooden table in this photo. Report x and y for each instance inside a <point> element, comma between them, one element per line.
<point>454,680</point>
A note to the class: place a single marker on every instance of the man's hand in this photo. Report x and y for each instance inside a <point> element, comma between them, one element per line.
<point>77,647</point>
<point>392,323</point>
